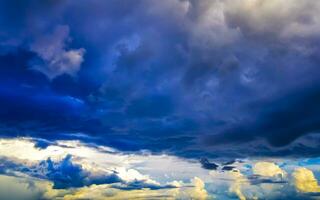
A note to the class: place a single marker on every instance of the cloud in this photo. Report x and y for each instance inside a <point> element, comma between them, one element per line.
<point>199,191</point>
<point>153,107</point>
<point>74,165</point>
<point>55,59</point>
<point>104,191</point>
<point>305,181</point>
<point>270,122</point>
<point>65,174</point>
<point>28,188</point>
<point>64,179</point>
<point>194,190</point>
<point>228,168</point>
<point>207,165</point>
<point>244,183</point>
<point>274,18</point>
<point>230,73</point>
<point>239,181</point>
<point>74,170</point>
<point>268,169</point>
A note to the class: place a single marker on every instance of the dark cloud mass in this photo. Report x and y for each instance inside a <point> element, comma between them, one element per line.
<point>191,78</point>
<point>208,165</point>
<point>66,174</point>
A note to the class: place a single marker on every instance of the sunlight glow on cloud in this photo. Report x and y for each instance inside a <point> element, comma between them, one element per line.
<point>236,187</point>
<point>305,181</point>
<point>74,170</point>
<point>268,169</point>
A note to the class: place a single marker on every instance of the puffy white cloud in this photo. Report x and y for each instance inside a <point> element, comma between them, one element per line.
<point>251,181</point>
<point>232,181</point>
<point>199,191</point>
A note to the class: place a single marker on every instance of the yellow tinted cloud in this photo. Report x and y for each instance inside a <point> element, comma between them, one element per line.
<point>239,180</point>
<point>194,191</point>
<point>198,191</point>
<point>268,169</point>
<point>305,181</point>
<point>28,188</point>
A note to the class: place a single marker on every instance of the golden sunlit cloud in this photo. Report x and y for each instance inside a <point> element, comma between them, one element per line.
<point>239,181</point>
<point>305,181</point>
<point>268,169</point>
<point>194,191</point>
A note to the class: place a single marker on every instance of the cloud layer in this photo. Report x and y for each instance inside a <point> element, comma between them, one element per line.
<point>74,170</point>
<point>185,77</point>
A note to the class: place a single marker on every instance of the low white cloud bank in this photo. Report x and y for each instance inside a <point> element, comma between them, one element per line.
<point>74,170</point>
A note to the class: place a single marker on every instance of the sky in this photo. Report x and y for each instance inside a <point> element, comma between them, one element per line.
<point>149,99</point>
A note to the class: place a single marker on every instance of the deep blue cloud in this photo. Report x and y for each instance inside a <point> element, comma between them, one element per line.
<point>284,118</point>
<point>159,76</point>
<point>64,174</point>
<point>138,184</point>
<point>208,165</point>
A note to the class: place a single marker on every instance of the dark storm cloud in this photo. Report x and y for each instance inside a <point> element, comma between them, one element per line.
<point>162,75</point>
<point>153,106</point>
<point>283,118</point>
<point>228,168</point>
<point>208,165</point>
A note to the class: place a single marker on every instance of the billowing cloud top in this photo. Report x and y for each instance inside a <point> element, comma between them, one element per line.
<point>213,80</point>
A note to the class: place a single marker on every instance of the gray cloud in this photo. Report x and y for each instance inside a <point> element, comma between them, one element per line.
<point>55,59</point>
